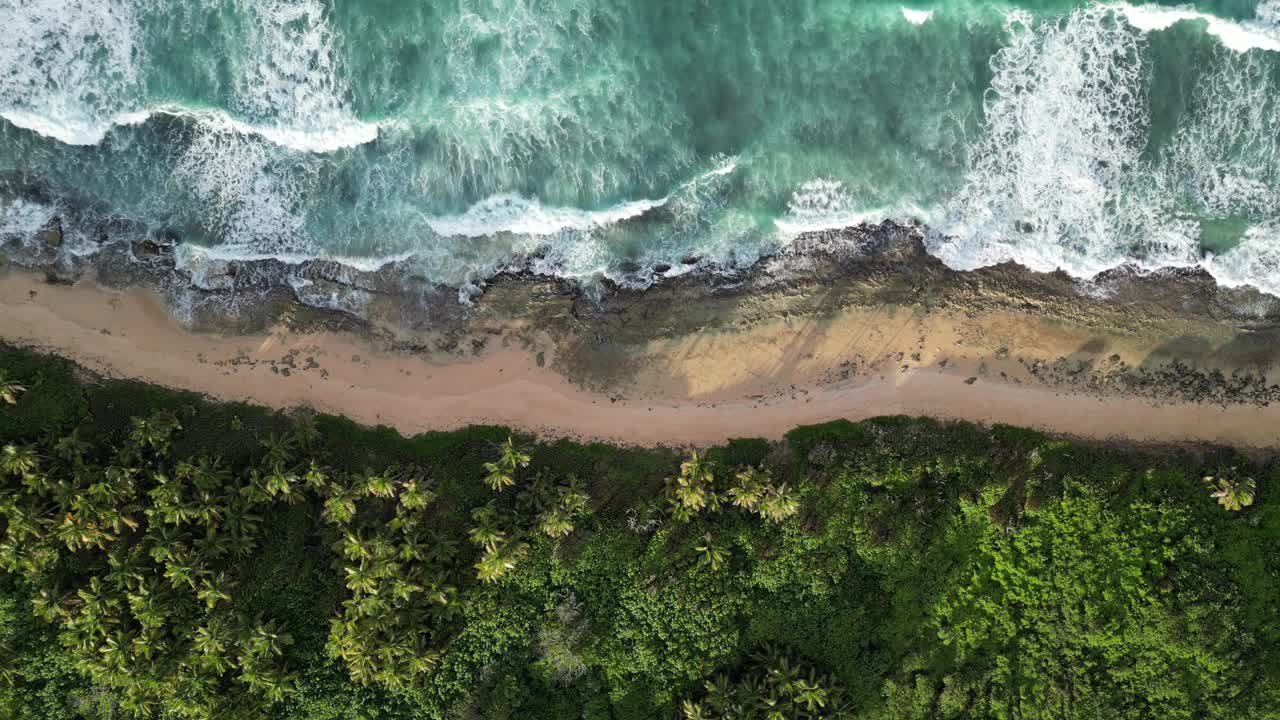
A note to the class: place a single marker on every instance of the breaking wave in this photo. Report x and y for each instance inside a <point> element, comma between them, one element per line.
<point>601,136</point>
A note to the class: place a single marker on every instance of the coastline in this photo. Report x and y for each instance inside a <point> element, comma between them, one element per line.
<point>755,372</point>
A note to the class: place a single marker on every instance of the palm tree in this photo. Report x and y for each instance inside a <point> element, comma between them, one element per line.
<point>382,486</point>
<point>573,499</point>
<point>498,478</point>
<point>72,447</point>
<point>501,474</point>
<point>181,570</point>
<point>782,675</point>
<point>538,493</point>
<point>214,590</point>
<point>694,711</point>
<point>692,491</point>
<point>1232,491</point>
<point>355,547</point>
<point>361,579</point>
<point>555,523</point>
<point>750,488</point>
<point>499,561</point>
<point>810,693</point>
<point>212,638</point>
<point>305,433</point>
<point>281,482</point>
<point>339,509</point>
<point>315,477</point>
<point>76,532</point>
<point>154,432</point>
<point>279,450</point>
<point>719,693</point>
<point>697,469</point>
<point>414,496</point>
<point>16,460</point>
<point>779,504</point>
<point>424,660</point>
<point>486,533</point>
<point>689,495</point>
<point>442,549</point>
<point>10,389</point>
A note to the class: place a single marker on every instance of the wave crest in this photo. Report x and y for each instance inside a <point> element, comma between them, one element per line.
<point>1240,36</point>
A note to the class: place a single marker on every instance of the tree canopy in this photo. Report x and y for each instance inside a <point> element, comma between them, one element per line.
<point>163,556</point>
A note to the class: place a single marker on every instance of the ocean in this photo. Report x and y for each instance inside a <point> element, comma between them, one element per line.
<point>612,137</point>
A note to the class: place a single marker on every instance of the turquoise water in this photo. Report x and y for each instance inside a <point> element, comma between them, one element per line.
<point>602,133</point>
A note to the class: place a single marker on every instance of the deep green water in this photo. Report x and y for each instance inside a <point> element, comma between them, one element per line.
<point>606,131</point>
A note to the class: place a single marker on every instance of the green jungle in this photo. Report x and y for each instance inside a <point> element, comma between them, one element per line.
<point>166,556</point>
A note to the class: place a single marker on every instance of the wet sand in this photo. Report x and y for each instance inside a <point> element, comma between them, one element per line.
<point>758,379</point>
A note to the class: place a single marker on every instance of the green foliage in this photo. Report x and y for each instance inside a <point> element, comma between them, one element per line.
<point>164,556</point>
<point>50,401</point>
<point>668,632</point>
<point>10,389</point>
<point>132,558</point>
<point>1232,491</point>
<point>1085,596</point>
<point>696,489</point>
<point>771,686</point>
<point>37,680</point>
<point>398,573</point>
<point>501,473</point>
<point>547,505</point>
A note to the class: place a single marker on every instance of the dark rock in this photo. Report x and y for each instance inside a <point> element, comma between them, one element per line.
<point>868,266</point>
<point>690,260</point>
<point>661,268</point>
<point>51,233</point>
<point>159,244</point>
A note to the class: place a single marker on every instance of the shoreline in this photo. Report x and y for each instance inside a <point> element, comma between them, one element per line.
<point>756,380</point>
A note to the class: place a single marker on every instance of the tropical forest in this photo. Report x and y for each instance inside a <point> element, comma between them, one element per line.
<point>166,556</point>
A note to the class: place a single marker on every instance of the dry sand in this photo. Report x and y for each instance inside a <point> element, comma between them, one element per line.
<point>761,380</point>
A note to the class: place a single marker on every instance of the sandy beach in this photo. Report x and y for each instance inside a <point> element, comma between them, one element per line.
<point>695,388</point>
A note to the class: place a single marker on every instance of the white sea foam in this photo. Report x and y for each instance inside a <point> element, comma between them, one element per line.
<point>917,17</point>
<point>823,204</point>
<point>1065,124</point>
<point>1255,261</point>
<point>1239,36</point>
<point>322,141</point>
<point>293,72</point>
<point>244,194</point>
<point>72,131</point>
<point>72,71</point>
<point>192,257</point>
<point>528,81</point>
<point>1225,156</point>
<point>67,64</point>
<point>509,213</point>
<point>255,200</point>
<point>345,133</point>
<point>258,215</point>
<point>1059,181</point>
<point>23,218</point>
<point>351,133</point>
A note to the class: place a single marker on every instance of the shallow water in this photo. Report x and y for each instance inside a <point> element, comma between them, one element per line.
<point>603,134</point>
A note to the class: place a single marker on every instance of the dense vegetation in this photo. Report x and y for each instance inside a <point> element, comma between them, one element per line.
<point>164,556</point>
